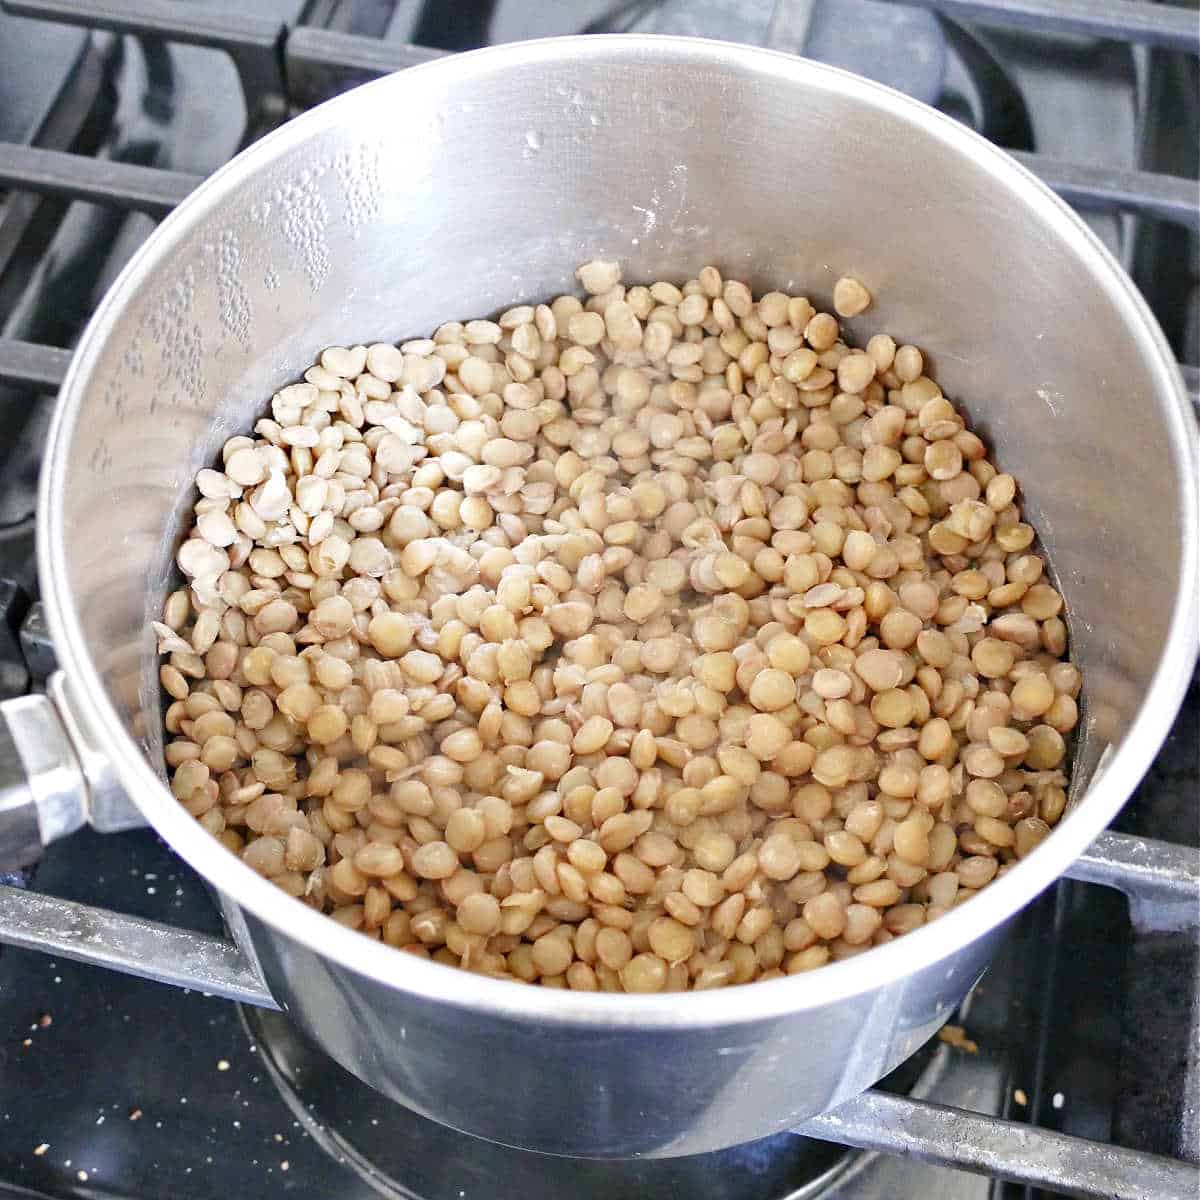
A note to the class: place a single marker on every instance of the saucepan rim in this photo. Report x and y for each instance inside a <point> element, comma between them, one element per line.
<point>924,947</point>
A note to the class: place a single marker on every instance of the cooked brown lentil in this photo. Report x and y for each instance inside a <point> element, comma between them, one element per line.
<point>648,641</point>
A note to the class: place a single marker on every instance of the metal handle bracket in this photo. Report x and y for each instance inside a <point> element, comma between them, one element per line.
<point>43,794</point>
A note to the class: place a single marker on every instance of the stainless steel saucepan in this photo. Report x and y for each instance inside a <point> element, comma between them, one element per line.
<point>475,182</point>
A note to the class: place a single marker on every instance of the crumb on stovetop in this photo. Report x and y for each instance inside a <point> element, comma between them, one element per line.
<point>40,1150</point>
<point>956,1036</point>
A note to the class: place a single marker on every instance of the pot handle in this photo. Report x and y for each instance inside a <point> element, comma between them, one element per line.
<point>53,779</point>
<point>43,794</point>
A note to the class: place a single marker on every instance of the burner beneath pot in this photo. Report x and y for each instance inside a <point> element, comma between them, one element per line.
<point>401,1154</point>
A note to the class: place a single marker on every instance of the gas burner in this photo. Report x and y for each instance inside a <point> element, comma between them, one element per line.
<point>401,1154</point>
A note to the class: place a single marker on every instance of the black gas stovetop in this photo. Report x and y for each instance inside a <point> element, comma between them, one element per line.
<point>112,1086</point>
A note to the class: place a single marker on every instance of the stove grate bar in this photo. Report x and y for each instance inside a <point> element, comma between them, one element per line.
<point>310,54</point>
<point>876,1120</point>
<point>1168,26</point>
<point>130,945</point>
<point>33,365</point>
<point>319,62</point>
<point>1168,197</point>
<point>985,1145</point>
<point>102,181</point>
<point>1160,879</point>
<point>310,47</point>
<point>253,42</point>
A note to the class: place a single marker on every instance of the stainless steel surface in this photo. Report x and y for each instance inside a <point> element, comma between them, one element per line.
<point>320,217</point>
<point>1168,25</point>
<point>50,762</point>
<point>107,807</point>
<point>20,833</point>
<point>154,190</point>
<point>318,60</point>
<point>53,172</point>
<point>322,48</point>
<point>40,776</point>
<point>1004,1149</point>
<point>131,945</point>
<point>1161,880</point>
<point>53,779</point>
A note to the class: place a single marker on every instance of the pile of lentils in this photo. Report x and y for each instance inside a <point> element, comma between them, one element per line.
<point>651,641</point>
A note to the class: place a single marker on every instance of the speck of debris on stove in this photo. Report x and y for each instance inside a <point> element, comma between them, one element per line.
<point>40,1150</point>
<point>279,1137</point>
<point>136,1115</point>
<point>152,891</point>
<point>1057,1100</point>
<point>27,1042</point>
<point>45,1021</point>
<point>283,1166</point>
<point>222,1064</point>
<point>956,1037</point>
<point>1020,1097</point>
<point>100,1119</point>
<point>82,1176</point>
